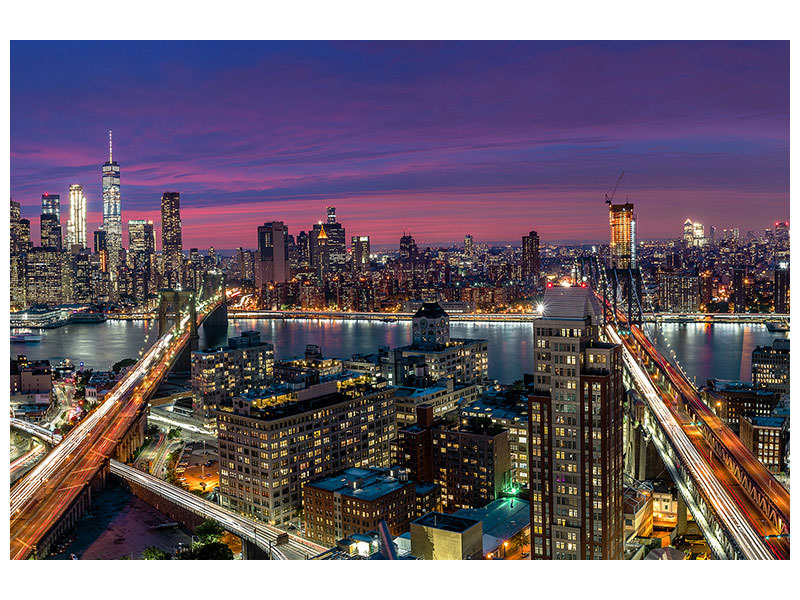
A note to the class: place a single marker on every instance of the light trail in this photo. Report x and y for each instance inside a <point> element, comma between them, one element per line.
<point>261,534</point>
<point>726,509</point>
<point>40,497</point>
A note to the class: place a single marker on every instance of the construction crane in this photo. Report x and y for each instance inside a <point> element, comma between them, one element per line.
<point>614,191</point>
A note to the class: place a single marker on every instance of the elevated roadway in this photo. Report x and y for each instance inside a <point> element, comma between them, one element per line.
<point>64,477</point>
<point>741,508</point>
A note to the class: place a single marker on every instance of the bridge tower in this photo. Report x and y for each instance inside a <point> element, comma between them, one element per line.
<point>175,302</point>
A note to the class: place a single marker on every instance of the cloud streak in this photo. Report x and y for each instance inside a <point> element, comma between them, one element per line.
<point>440,138</point>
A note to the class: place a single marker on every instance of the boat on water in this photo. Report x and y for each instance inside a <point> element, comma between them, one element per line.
<point>25,336</point>
<point>777,327</point>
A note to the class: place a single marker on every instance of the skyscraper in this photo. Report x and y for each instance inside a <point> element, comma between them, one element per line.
<point>360,247</point>
<point>530,257</point>
<point>575,432</point>
<point>76,226</point>
<point>49,231</point>
<point>741,289</point>
<point>781,289</point>
<point>336,244</point>
<point>51,205</point>
<point>469,244</point>
<point>320,252</point>
<point>408,247</point>
<point>17,266</point>
<point>142,250</point>
<point>171,239</point>
<point>112,214</point>
<point>273,254</point>
<point>623,236</point>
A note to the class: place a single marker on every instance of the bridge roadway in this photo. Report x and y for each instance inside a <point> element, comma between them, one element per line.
<point>40,498</point>
<point>733,507</point>
<point>262,535</point>
<point>752,486</point>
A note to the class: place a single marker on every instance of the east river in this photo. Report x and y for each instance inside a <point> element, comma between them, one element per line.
<point>704,350</point>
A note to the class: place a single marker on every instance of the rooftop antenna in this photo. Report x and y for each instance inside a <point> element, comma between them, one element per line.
<point>109,146</point>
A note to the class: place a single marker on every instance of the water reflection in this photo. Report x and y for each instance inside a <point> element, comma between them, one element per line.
<point>705,350</point>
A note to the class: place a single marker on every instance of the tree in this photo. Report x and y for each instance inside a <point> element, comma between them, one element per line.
<point>213,551</point>
<point>153,553</point>
<point>125,362</point>
<point>210,551</point>
<point>209,531</point>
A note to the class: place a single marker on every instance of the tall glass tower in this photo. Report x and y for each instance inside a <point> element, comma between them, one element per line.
<point>76,226</point>
<point>51,205</point>
<point>112,211</point>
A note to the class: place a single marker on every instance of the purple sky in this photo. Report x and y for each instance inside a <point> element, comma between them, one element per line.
<point>436,138</point>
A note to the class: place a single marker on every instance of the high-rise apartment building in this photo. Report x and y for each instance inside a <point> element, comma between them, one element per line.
<point>51,205</point>
<point>273,442</point>
<point>219,374</point>
<point>623,236</point>
<point>359,245</point>
<point>273,254</point>
<point>171,239</point>
<point>530,257</point>
<point>468,458</point>
<point>575,432</point>
<point>112,212</point>
<point>76,226</point>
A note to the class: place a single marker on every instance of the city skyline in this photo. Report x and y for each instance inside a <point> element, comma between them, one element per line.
<point>425,130</point>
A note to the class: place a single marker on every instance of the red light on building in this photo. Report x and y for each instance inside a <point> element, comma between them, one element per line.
<point>583,284</point>
<point>549,284</point>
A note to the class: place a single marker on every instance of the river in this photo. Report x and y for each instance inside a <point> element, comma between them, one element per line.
<point>705,350</point>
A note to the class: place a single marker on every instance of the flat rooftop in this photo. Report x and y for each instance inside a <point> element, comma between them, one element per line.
<point>502,519</point>
<point>445,522</point>
<point>776,422</point>
<point>363,484</point>
<point>484,408</point>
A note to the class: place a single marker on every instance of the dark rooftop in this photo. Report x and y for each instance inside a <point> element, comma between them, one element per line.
<point>446,522</point>
<point>430,310</point>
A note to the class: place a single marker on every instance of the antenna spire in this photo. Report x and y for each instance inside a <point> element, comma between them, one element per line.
<point>109,146</point>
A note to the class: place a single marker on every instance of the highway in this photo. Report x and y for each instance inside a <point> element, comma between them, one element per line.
<point>260,533</point>
<point>41,497</point>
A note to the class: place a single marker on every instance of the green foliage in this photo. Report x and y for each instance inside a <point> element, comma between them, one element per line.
<point>209,531</point>
<point>153,553</point>
<point>81,379</point>
<point>210,551</point>
<point>175,432</point>
<point>125,362</point>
